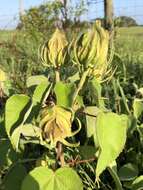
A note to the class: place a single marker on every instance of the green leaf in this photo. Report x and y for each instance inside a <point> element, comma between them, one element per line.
<point>7,154</point>
<point>125,100</point>
<point>40,92</point>
<point>91,114</point>
<point>111,133</point>
<point>36,80</point>
<point>128,184</point>
<point>64,93</point>
<point>15,106</point>
<point>138,183</point>
<point>87,151</point>
<point>95,92</point>
<point>137,107</point>
<point>42,178</point>
<point>74,77</point>
<point>40,95</point>
<point>128,172</point>
<point>29,131</point>
<point>14,178</point>
<point>140,130</point>
<point>112,168</point>
<point>15,137</point>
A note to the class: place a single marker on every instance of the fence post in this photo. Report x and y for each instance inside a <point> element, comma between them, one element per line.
<point>21,10</point>
<point>108,14</point>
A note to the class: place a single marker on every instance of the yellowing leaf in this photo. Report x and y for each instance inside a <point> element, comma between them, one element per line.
<point>56,124</point>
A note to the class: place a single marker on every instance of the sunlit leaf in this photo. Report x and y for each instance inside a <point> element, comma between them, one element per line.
<point>95,92</point>
<point>15,106</point>
<point>138,183</point>
<point>41,91</point>
<point>36,80</point>
<point>64,93</point>
<point>138,107</point>
<point>111,133</point>
<point>45,179</point>
<point>91,114</point>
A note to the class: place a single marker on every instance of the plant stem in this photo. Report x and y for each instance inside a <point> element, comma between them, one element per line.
<point>115,177</point>
<point>57,73</point>
<point>80,85</point>
<point>60,154</point>
<point>76,162</point>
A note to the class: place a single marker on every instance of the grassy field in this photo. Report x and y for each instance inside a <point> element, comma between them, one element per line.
<point>6,35</point>
<point>44,106</point>
<point>130,40</point>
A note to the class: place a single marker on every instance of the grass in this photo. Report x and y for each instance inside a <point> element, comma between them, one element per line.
<point>130,41</point>
<point>6,35</point>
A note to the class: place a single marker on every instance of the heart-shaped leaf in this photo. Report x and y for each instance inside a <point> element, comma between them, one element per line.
<point>111,133</point>
<point>45,179</point>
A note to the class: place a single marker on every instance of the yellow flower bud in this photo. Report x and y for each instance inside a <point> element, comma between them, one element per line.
<point>54,51</point>
<point>91,50</point>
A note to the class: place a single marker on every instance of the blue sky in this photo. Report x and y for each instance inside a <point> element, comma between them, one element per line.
<point>9,10</point>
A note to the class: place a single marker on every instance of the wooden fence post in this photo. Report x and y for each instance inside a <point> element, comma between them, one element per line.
<point>108,14</point>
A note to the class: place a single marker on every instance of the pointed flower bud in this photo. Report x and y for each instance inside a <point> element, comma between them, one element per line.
<point>54,51</point>
<point>91,50</point>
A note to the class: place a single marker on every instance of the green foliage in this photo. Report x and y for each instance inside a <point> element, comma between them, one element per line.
<point>137,183</point>
<point>91,113</point>
<point>124,21</point>
<point>46,179</point>
<point>138,107</point>
<point>128,172</point>
<point>8,155</point>
<point>64,93</point>
<point>36,80</point>
<point>111,135</point>
<point>40,19</point>
<point>14,177</point>
<point>14,107</point>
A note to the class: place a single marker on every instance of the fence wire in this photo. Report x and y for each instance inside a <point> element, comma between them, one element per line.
<point>95,9</point>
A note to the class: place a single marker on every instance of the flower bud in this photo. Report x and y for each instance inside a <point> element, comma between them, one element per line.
<point>54,51</point>
<point>91,49</point>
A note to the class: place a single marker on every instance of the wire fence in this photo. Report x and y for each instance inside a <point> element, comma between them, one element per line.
<point>130,8</point>
<point>95,9</point>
